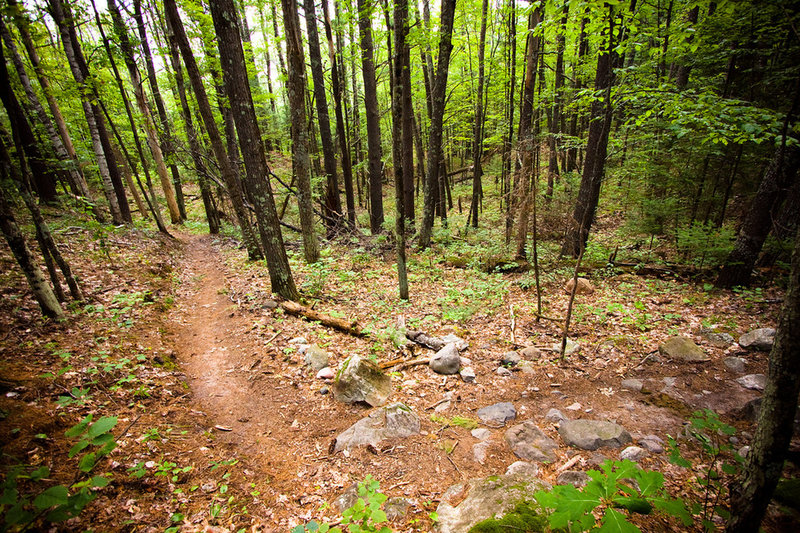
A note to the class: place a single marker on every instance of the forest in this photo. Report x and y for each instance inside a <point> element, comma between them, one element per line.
<point>375,266</point>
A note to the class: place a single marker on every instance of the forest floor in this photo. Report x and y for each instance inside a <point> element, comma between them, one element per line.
<point>222,426</point>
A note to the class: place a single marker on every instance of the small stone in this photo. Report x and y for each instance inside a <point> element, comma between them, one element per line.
<point>734,364</point>
<point>715,338</point>
<point>442,407</point>
<point>526,367</point>
<point>346,499</point>
<point>528,442</point>
<point>446,361</point>
<point>316,357</point>
<point>633,384</point>
<point>396,508</point>
<point>554,415</point>
<point>760,339</point>
<point>584,286</point>
<point>744,450</point>
<point>460,343</point>
<point>467,375</point>
<point>651,446</point>
<point>503,371</point>
<point>576,478</point>
<point>361,380</point>
<point>498,414</point>
<point>465,361</point>
<point>298,340</point>
<point>324,390</point>
<point>571,348</point>
<point>510,359</point>
<point>753,381</point>
<point>593,434</point>
<point>481,433</point>
<point>574,407</point>
<point>523,467</point>
<point>390,422</point>
<point>633,453</point>
<point>479,451</point>
<point>326,373</point>
<point>682,349</point>
<point>531,352</point>
<point>269,304</point>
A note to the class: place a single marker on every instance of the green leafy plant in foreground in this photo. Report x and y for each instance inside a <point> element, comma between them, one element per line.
<point>24,500</point>
<point>365,516</point>
<point>620,489</point>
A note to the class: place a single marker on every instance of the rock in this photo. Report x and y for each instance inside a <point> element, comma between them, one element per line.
<point>715,338</point>
<point>502,371</point>
<point>324,390</point>
<point>633,384</point>
<point>652,443</point>
<point>396,508</point>
<point>390,422</point>
<point>481,433</point>
<point>593,434</point>
<point>584,286</point>
<point>497,414</point>
<point>446,360</point>
<point>526,367</point>
<point>510,359</point>
<point>298,340</point>
<point>760,339</point>
<point>465,361</point>
<point>574,407</point>
<point>744,450</point>
<point>531,352</point>
<point>633,453</point>
<point>753,381</point>
<point>576,478</point>
<point>361,380</point>
<point>554,415</point>
<point>523,467</point>
<point>346,499</point>
<point>465,504</point>
<point>734,364</point>
<point>479,451</point>
<point>528,442</point>
<point>326,373</point>
<point>303,348</point>
<point>460,343</point>
<point>467,375</point>
<point>269,304</point>
<point>682,349</point>
<point>316,358</point>
<point>571,348</point>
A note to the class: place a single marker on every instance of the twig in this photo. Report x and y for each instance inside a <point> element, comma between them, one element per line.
<point>415,362</point>
<point>537,315</point>
<point>646,357</point>
<point>455,466</point>
<point>273,337</point>
<point>569,463</point>
<point>513,323</point>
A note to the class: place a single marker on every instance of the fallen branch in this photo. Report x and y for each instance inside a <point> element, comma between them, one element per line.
<point>390,364</point>
<point>423,339</point>
<point>415,362</point>
<point>537,315</point>
<point>345,326</point>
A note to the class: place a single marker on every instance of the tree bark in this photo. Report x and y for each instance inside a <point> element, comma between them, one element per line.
<point>477,127</point>
<point>438,93</point>
<point>401,139</point>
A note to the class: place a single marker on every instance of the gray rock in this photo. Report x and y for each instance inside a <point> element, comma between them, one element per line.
<point>734,364</point>
<point>744,450</point>
<point>510,359</point>
<point>326,373</point>
<point>633,453</point>
<point>715,338</point>
<point>753,381</point>
<point>498,414</point>
<point>324,390</point>
<point>574,407</point>
<point>360,380</point>
<point>481,433</point>
<point>523,467</point>
<point>396,508</point>
<point>316,358</point>
<point>682,349</point>
<point>571,348</point>
<point>446,360</point>
<point>269,304</point>
<point>526,367</point>
<point>298,340</point>
<point>502,371</point>
<point>760,339</point>
<point>593,434</point>
<point>652,443</point>
<point>584,286</point>
<point>467,375</point>
<point>554,415</point>
<point>303,348</point>
<point>479,451</point>
<point>460,343</point>
<point>346,499</point>
<point>633,384</point>
<point>390,422</point>
<point>485,498</point>
<point>576,478</point>
<point>531,352</point>
<point>528,442</point>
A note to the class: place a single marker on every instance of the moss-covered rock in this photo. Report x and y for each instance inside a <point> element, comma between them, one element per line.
<point>524,518</point>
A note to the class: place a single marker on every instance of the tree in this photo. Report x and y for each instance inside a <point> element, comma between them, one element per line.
<point>438,92</point>
<point>372,117</point>
<point>401,136</point>
<point>296,87</point>
<point>477,129</point>
<point>237,88</point>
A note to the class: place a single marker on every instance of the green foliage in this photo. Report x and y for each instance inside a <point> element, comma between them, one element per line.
<point>365,516</point>
<point>705,244</point>
<point>524,518</point>
<point>718,463</point>
<point>457,420</point>
<point>620,486</point>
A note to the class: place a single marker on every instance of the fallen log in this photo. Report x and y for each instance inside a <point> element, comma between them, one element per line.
<point>350,327</point>
<point>423,339</point>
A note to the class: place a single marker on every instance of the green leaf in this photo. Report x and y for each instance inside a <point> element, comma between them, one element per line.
<point>18,515</point>
<point>312,526</point>
<point>80,445</point>
<point>53,496</point>
<point>39,473</point>
<point>634,505</point>
<point>78,428</point>
<point>615,522</point>
<point>378,516</point>
<point>650,481</point>
<point>104,425</point>
<point>87,462</point>
<point>99,481</point>
<point>9,497</point>
<point>676,508</point>
<point>298,529</point>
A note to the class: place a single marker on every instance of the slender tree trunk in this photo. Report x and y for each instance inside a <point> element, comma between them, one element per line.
<point>556,121</point>
<point>333,204</point>
<point>438,93</point>
<point>477,127</point>
<point>228,171</point>
<point>372,115</point>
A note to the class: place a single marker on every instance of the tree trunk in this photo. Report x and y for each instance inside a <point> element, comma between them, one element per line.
<point>556,121</point>
<point>596,148</point>
<point>764,463</point>
<point>438,93</point>
<point>333,204</point>
<point>228,171</point>
<point>373,117</point>
<point>401,139</point>
<point>296,87</point>
<point>477,127</point>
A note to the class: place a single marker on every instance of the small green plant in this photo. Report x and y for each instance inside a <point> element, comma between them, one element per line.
<point>171,470</point>
<point>365,516</point>
<point>718,463</point>
<point>457,420</point>
<point>76,397</point>
<point>621,487</point>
